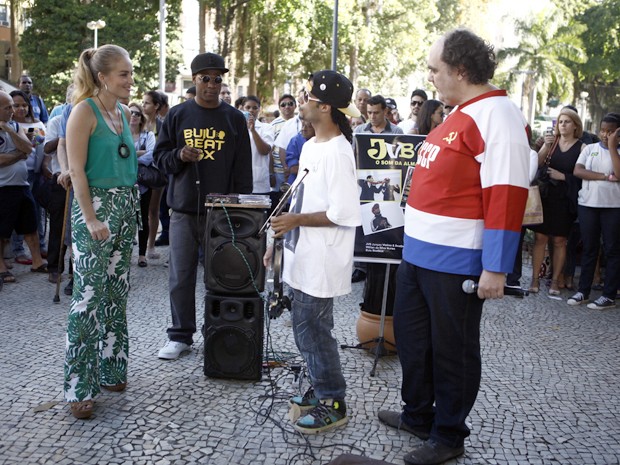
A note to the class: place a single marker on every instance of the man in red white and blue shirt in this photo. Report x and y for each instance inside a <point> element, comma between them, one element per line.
<point>462,221</point>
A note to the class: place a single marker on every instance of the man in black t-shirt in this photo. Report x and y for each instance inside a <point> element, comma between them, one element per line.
<point>204,147</point>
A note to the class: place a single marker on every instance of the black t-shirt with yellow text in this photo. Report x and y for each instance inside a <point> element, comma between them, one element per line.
<point>226,164</point>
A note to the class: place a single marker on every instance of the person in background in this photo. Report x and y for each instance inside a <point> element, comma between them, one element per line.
<point>35,131</point>
<point>429,117</point>
<point>144,143</point>
<point>39,110</point>
<point>293,151</point>
<point>599,213</point>
<point>361,102</point>
<point>152,104</point>
<point>261,140</point>
<point>560,152</point>
<point>392,113</point>
<point>279,167</point>
<point>103,168</point>
<point>17,207</point>
<point>191,93</point>
<point>418,97</point>
<point>225,94</point>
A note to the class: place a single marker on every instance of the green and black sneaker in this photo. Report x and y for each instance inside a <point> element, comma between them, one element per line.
<point>328,414</point>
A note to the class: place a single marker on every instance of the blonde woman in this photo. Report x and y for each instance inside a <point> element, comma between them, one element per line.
<point>103,168</point>
<point>560,201</point>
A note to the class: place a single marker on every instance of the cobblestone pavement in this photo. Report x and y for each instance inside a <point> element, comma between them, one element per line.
<point>550,392</point>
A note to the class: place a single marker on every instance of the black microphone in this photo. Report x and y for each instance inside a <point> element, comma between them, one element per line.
<point>470,286</point>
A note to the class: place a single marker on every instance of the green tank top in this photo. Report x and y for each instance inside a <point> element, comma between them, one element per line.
<point>105,168</point>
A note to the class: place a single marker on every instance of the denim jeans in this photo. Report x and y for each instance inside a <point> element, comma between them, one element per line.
<point>437,330</point>
<point>313,321</point>
<point>593,222</point>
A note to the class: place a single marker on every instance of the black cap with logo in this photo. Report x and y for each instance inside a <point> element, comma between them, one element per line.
<point>334,89</point>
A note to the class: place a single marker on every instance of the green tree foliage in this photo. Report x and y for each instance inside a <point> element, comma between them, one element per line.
<point>600,74</point>
<point>57,34</point>
<point>549,49</point>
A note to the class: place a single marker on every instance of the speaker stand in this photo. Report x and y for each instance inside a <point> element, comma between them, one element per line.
<point>379,349</point>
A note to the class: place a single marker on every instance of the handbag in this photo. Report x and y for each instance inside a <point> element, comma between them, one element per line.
<point>542,178</point>
<point>150,176</point>
<point>533,214</point>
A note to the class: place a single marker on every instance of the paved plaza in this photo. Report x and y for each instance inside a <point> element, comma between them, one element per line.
<point>550,390</point>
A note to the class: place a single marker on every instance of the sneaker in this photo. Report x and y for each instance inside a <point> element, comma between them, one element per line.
<point>306,402</point>
<point>577,299</point>
<point>173,349</point>
<point>328,414</point>
<point>602,303</point>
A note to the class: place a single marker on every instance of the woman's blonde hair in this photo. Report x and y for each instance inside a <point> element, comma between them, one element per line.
<point>92,62</point>
<point>573,116</point>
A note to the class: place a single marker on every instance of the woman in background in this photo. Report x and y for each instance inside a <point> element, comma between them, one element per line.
<point>430,116</point>
<point>560,151</point>
<point>144,143</point>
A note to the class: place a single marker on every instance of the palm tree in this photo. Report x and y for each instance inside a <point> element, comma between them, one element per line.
<point>546,51</point>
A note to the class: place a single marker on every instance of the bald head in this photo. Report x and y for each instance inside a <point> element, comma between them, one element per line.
<point>6,107</point>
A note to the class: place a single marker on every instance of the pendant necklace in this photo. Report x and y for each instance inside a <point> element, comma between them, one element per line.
<point>123,149</point>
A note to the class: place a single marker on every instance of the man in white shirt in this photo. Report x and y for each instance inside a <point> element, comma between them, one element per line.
<point>261,140</point>
<point>319,235</point>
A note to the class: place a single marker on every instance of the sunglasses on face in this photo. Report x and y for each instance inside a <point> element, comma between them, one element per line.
<point>307,98</point>
<point>207,79</point>
<point>415,103</point>
<point>287,104</point>
<point>137,114</point>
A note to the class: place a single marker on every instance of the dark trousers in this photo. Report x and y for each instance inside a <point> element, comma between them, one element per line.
<point>594,222</point>
<point>187,232</point>
<point>143,234</point>
<point>437,330</point>
<point>164,213</point>
<point>56,210</point>
<point>514,278</point>
<point>574,236</point>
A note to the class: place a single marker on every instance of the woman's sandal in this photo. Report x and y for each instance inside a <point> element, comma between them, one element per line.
<point>554,291</point>
<point>82,410</point>
<point>534,287</point>
<point>7,277</point>
<point>115,387</point>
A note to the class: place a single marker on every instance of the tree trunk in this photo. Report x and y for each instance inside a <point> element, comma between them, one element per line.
<point>16,62</point>
<point>202,29</point>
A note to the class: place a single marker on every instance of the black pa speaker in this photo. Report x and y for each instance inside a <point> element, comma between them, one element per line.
<point>235,267</point>
<point>233,337</point>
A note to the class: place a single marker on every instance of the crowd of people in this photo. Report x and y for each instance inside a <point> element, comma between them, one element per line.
<point>82,162</point>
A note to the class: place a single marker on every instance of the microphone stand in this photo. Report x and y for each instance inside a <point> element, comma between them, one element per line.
<point>378,349</point>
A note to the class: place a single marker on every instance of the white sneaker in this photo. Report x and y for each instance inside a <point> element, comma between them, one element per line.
<point>577,299</point>
<point>152,254</point>
<point>172,350</point>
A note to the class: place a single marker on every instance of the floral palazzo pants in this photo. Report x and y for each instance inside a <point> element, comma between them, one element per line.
<point>97,340</point>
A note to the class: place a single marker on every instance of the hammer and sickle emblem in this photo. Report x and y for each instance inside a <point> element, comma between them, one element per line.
<point>451,137</point>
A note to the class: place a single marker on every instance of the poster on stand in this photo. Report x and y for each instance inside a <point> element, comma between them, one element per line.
<point>385,164</point>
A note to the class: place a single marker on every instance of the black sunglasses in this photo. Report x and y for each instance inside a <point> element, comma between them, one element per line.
<point>416,103</point>
<point>136,113</point>
<point>206,79</point>
<point>287,104</point>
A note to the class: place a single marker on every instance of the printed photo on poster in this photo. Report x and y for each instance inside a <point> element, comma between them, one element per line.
<point>381,216</point>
